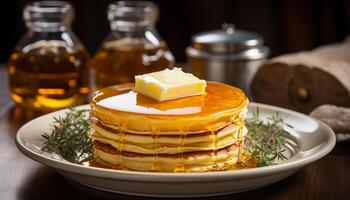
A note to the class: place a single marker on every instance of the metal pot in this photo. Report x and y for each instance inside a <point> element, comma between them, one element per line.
<point>228,55</point>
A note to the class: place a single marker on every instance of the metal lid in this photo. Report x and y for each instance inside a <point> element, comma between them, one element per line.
<point>229,41</point>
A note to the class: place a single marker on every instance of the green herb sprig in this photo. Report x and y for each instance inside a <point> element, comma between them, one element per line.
<point>69,136</point>
<point>265,140</point>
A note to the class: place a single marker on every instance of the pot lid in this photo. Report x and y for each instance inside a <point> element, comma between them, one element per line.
<point>227,40</point>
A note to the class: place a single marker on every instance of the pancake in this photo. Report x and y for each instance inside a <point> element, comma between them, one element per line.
<point>168,144</point>
<point>192,134</point>
<point>187,162</point>
<point>121,107</point>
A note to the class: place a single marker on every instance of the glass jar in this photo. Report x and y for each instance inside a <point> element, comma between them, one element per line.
<point>48,69</point>
<point>132,47</point>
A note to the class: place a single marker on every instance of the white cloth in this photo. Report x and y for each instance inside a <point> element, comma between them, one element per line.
<point>338,118</point>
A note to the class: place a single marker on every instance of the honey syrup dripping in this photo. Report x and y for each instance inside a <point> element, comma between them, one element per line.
<point>214,155</point>
<point>240,123</point>
<point>94,162</point>
<point>215,136</point>
<point>180,166</point>
<point>121,143</point>
<point>155,165</point>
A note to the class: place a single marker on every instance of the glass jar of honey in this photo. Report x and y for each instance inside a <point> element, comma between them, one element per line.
<point>48,69</point>
<point>132,47</point>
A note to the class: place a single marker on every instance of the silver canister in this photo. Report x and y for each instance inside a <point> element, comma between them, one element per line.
<point>229,55</point>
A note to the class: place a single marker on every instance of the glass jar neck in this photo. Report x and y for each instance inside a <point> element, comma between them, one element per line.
<point>127,26</point>
<point>42,27</point>
<point>132,15</point>
<point>48,16</point>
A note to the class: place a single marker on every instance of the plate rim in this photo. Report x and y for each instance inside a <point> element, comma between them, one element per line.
<point>178,177</point>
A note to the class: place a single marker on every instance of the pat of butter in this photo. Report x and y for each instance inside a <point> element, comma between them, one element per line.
<point>169,84</point>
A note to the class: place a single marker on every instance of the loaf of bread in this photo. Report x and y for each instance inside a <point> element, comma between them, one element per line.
<point>305,80</point>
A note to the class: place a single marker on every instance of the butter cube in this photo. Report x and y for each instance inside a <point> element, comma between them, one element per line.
<point>169,84</point>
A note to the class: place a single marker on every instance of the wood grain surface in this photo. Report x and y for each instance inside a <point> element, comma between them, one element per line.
<point>22,178</point>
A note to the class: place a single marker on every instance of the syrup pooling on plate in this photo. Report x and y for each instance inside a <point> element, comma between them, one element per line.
<point>197,133</point>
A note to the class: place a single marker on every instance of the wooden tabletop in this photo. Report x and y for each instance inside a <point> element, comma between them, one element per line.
<point>23,178</point>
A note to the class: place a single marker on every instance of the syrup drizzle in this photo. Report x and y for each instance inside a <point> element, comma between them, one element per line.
<point>242,158</point>
<point>240,123</point>
<point>155,165</point>
<point>215,137</point>
<point>180,166</point>
<point>214,155</point>
<point>121,143</point>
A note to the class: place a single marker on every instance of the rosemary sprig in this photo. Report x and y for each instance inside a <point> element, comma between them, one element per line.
<point>265,140</point>
<point>69,136</point>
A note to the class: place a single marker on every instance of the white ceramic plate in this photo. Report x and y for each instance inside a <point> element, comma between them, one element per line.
<point>310,140</point>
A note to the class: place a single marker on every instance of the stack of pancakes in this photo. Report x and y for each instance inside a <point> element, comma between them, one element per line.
<point>191,134</point>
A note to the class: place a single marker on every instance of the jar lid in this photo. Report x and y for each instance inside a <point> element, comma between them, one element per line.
<point>230,41</point>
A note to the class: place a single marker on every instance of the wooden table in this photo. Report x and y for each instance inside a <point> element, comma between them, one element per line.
<point>22,178</point>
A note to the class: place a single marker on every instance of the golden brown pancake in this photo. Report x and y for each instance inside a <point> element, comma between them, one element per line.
<point>168,144</point>
<point>188,162</point>
<point>120,107</point>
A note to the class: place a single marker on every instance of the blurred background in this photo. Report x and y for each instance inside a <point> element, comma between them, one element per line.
<point>287,26</point>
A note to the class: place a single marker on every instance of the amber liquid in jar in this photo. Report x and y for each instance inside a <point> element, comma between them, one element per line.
<point>48,77</point>
<point>119,61</point>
